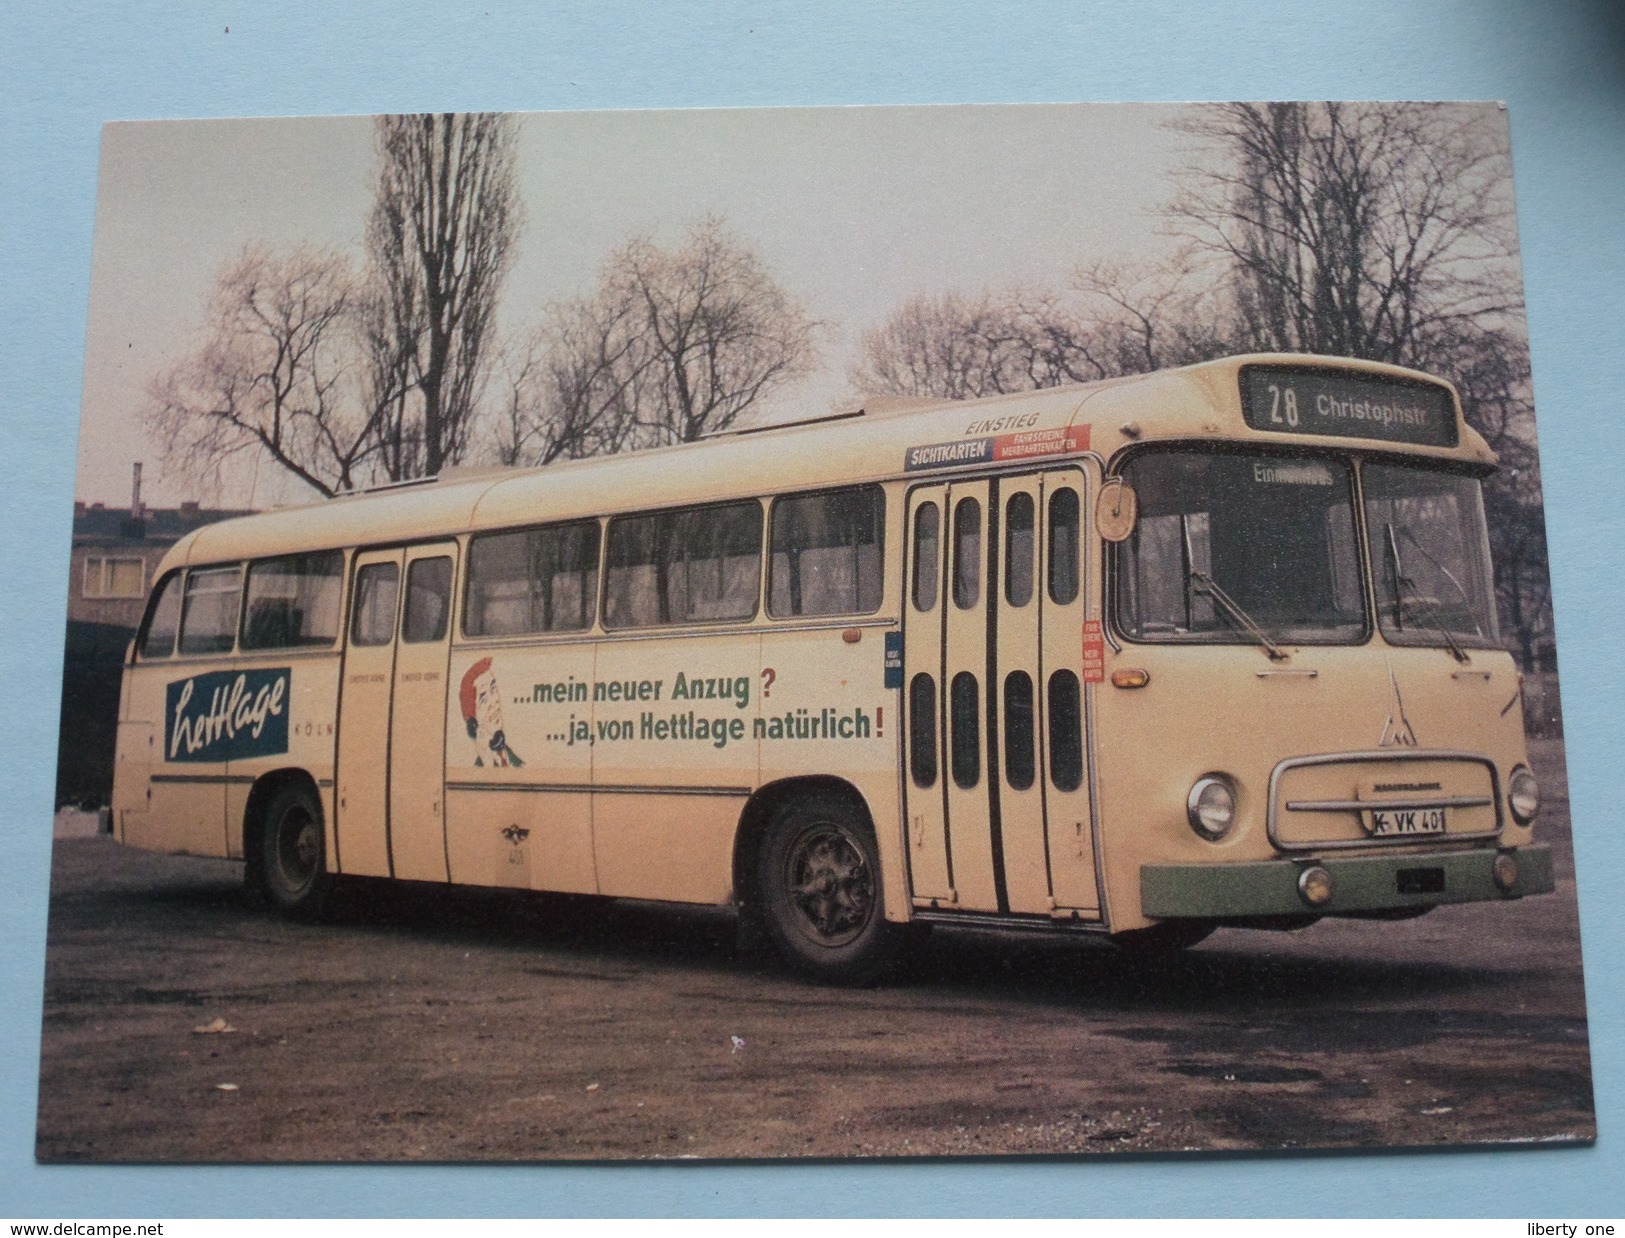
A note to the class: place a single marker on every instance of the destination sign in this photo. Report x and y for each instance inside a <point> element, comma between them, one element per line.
<point>1025,445</point>
<point>1308,401</point>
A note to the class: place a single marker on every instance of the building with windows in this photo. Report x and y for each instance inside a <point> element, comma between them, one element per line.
<point>116,551</point>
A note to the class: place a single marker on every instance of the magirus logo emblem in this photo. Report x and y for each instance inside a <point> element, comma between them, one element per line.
<point>516,834</point>
<point>1397,732</point>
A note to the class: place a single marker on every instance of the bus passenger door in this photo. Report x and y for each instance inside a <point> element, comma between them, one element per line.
<point>953,848</point>
<point>1061,586</point>
<point>417,742</point>
<point>1013,633</point>
<point>926,809</point>
<point>1036,629</point>
<point>995,772</point>
<point>362,825</point>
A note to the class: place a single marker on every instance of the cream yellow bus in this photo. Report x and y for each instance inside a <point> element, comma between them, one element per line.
<point>1211,646</point>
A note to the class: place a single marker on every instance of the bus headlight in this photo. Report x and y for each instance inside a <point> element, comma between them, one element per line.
<point>1523,795</point>
<point>1211,806</point>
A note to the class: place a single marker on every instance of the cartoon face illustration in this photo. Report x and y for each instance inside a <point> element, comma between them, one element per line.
<point>481,702</point>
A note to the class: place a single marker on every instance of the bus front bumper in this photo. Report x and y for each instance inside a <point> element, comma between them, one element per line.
<point>1359,884</point>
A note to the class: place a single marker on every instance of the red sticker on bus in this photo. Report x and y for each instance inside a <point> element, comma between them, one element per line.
<point>1094,652</point>
<point>1041,443</point>
<point>1022,445</point>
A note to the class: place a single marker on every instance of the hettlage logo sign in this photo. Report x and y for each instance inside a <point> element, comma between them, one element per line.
<point>227,715</point>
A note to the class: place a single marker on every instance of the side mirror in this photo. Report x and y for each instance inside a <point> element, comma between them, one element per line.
<point>1116,509</point>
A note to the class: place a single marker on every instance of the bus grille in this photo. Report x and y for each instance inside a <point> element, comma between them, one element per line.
<point>1384,798</point>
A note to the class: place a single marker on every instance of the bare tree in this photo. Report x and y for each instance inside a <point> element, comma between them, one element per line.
<point>1150,319</point>
<point>1354,229</point>
<point>709,333</point>
<point>570,387</point>
<point>271,374</point>
<point>1383,231</point>
<point>1491,371</point>
<point>951,347</point>
<point>388,337</point>
<point>441,238</point>
<point>674,345</point>
<point>956,347</point>
<point>522,421</point>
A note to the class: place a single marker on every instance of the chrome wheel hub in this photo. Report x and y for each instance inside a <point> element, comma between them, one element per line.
<point>830,884</point>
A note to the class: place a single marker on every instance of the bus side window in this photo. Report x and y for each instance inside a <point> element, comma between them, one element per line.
<point>293,601</point>
<point>209,613</point>
<point>533,580</point>
<point>965,730</point>
<point>922,730</point>
<point>927,530</point>
<point>1063,546</point>
<point>826,553</point>
<point>695,566</point>
<point>967,553</point>
<point>1018,549</point>
<point>428,599</point>
<point>1065,732</point>
<point>164,621</point>
<point>377,586</point>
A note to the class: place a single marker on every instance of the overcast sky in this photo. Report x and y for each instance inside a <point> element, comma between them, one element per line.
<point>853,210</point>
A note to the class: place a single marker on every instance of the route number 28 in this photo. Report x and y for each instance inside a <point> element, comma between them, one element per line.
<point>1287,404</point>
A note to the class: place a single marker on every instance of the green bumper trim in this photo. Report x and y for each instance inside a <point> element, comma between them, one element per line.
<point>1359,883</point>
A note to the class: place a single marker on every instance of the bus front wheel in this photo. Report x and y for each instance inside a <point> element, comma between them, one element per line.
<point>819,879</point>
<point>293,856</point>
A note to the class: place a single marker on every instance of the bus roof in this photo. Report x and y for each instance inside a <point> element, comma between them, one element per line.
<point>888,439</point>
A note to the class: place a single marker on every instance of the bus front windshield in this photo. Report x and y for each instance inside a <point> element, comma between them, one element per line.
<point>1261,548</point>
<point>1429,556</point>
<point>1241,547</point>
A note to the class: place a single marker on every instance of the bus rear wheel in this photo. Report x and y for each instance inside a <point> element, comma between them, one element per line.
<point>818,875</point>
<point>293,853</point>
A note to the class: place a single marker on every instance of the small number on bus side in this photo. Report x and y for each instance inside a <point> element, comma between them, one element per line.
<point>1290,401</point>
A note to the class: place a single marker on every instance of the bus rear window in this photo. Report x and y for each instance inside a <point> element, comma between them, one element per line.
<point>164,621</point>
<point>535,580</point>
<point>826,553</point>
<point>695,566</point>
<point>209,616</point>
<point>294,601</point>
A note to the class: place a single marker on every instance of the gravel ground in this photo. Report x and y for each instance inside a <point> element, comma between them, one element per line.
<point>420,1023</point>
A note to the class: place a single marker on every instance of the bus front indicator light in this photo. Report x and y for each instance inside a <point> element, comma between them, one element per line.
<point>1523,795</point>
<point>1211,807</point>
<point>1505,872</point>
<point>1315,886</point>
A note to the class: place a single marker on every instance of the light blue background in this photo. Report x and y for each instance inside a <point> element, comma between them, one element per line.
<point>1560,65</point>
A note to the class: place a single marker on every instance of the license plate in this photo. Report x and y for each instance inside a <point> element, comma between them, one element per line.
<point>1391,822</point>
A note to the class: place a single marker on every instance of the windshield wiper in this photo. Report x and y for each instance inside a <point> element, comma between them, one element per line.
<point>1204,583</point>
<point>1405,532</point>
<point>1403,586</point>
